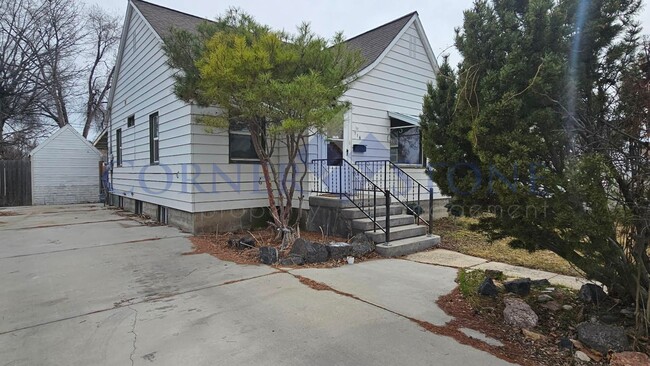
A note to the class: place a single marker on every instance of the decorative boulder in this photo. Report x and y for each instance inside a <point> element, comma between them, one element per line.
<point>629,359</point>
<point>361,245</point>
<point>244,243</point>
<point>540,283</point>
<point>493,274</point>
<point>310,252</point>
<point>519,314</point>
<point>292,260</point>
<point>339,250</point>
<point>592,293</point>
<point>519,286</point>
<point>488,288</point>
<point>603,338</point>
<point>565,343</point>
<point>268,255</point>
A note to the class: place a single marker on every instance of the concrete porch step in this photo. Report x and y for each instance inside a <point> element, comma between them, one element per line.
<point>365,224</point>
<point>355,213</point>
<point>397,233</point>
<point>407,246</point>
<point>333,200</point>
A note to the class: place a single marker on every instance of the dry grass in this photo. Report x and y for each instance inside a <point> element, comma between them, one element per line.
<point>456,235</point>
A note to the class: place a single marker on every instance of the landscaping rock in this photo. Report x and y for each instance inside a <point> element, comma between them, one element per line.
<point>519,314</point>
<point>519,286</point>
<point>310,252</point>
<point>540,283</point>
<point>243,243</point>
<point>488,288</point>
<point>629,359</point>
<point>292,260</point>
<point>628,313</point>
<point>362,245</point>
<point>567,307</point>
<point>592,293</point>
<point>532,335</point>
<point>552,306</point>
<point>339,250</point>
<point>268,255</point>
<point>544,298</point>
<point>565,343</point>
<point>582,356</point>
<point>603,338</point>
<point>493,274</point>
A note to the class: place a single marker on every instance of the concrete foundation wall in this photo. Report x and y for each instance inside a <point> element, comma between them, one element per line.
<point>329,221</point>
<point>201,222</point>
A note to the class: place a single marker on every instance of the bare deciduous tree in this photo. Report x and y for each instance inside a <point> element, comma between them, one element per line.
<point>104,35</point>
<point>56,67</point>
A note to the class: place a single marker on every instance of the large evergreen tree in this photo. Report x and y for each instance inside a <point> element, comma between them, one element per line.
<point>283,87</point>
<point>543,112</point>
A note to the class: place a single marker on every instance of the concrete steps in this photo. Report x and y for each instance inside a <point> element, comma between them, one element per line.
<point>355,213</point>
<point>397,248</point>
<point>365,224</point>
<point>342,217</point>
<point>397,233</point>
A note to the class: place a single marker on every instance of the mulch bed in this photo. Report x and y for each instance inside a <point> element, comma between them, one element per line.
<point>217,246</point>
<point>8,213</point>
<point>489,321</point>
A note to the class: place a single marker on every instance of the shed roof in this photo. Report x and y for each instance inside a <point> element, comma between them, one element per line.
<point>56,134</point>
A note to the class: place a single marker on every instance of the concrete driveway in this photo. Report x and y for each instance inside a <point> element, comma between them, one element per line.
<point>81,285</point>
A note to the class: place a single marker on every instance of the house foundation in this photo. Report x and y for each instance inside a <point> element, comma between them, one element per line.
<point>196,222</point>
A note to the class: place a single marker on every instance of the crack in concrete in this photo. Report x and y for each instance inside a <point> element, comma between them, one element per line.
<point>92,247</point>
<point>62,225</point>
<point>448,330</point>
<point>135,335</point>
<point>145,300</point>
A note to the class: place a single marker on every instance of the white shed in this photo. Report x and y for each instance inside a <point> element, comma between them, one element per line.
<point>65,169</point>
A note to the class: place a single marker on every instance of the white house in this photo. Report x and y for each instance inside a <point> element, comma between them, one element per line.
<point>65,169</point>
<point>169,166</point>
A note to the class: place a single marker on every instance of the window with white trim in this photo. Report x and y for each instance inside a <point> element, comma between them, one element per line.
<point>405,145</point>
<point>118,143</point>
<point>154,139</point>
<point>240,143</point>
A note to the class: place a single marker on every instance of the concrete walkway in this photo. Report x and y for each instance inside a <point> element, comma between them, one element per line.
<point>80,285</point>
<point>448,258</point>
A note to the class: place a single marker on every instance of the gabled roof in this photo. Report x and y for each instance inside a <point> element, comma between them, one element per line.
<point>374,42</point>
<point>162,19</point>
<point>53,137</point>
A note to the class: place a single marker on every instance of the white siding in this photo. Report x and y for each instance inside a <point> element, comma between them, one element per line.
<point>397,84</point>
<point>65,170</point>
<point>220,184</point>
<point>145,86</point>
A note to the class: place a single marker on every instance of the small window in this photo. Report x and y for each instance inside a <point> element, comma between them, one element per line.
<point>138,207</point>
<point>241,148</point>
<point>130,122</point>
<point>118,142</point>
<point>405,145</point>
<point>154,139</point>
<point>120,202</point>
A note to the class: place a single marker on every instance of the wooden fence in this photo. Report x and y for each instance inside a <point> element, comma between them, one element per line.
<point>15,183</point>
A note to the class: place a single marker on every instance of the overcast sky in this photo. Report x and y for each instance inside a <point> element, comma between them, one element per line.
<point>350,16</point>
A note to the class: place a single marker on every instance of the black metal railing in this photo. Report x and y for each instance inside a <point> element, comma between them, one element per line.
<point>346,181</point>
<point>404,188</point>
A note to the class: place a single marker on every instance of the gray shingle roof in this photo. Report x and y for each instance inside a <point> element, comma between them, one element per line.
<point>162,19</point>
<point>372,43</point>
